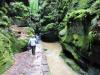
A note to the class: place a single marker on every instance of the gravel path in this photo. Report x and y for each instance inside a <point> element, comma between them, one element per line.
<point>27,64</point>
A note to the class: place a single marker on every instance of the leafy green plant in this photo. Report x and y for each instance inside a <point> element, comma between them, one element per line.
<point>30,31</point>
<point>34,7</point>
<point>5,11</point>
<point>4,20</point>
<point>18,13</point>
<point>18,9</point>
<point>5,53</point>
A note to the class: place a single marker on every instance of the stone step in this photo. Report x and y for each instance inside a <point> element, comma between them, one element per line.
<point>45,68</point>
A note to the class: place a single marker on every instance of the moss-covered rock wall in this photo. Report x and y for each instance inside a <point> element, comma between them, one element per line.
<point>75,22</point>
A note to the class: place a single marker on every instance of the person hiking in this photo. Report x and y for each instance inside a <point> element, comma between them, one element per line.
<point>37,38</point>
<point>32,44</point>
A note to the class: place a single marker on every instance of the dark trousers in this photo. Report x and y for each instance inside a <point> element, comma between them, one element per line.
<point>33,49</point>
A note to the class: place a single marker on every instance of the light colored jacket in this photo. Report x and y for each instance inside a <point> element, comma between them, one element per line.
<point>32,41</point>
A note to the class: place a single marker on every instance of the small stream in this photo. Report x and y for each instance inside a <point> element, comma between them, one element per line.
<point>55,61</point>
<point>93,71</point>
<point>56,64</point>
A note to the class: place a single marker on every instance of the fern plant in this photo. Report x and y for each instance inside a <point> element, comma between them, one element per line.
<point>5,53</point>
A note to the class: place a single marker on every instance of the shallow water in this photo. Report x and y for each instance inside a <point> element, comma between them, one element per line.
<point>56,63</point>
<point>93,71</point>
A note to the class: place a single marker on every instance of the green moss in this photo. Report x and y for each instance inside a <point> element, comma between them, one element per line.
<point>76,14</point>
<point>95,8</point>
<point>80,21</point>
<point>49,26</point>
